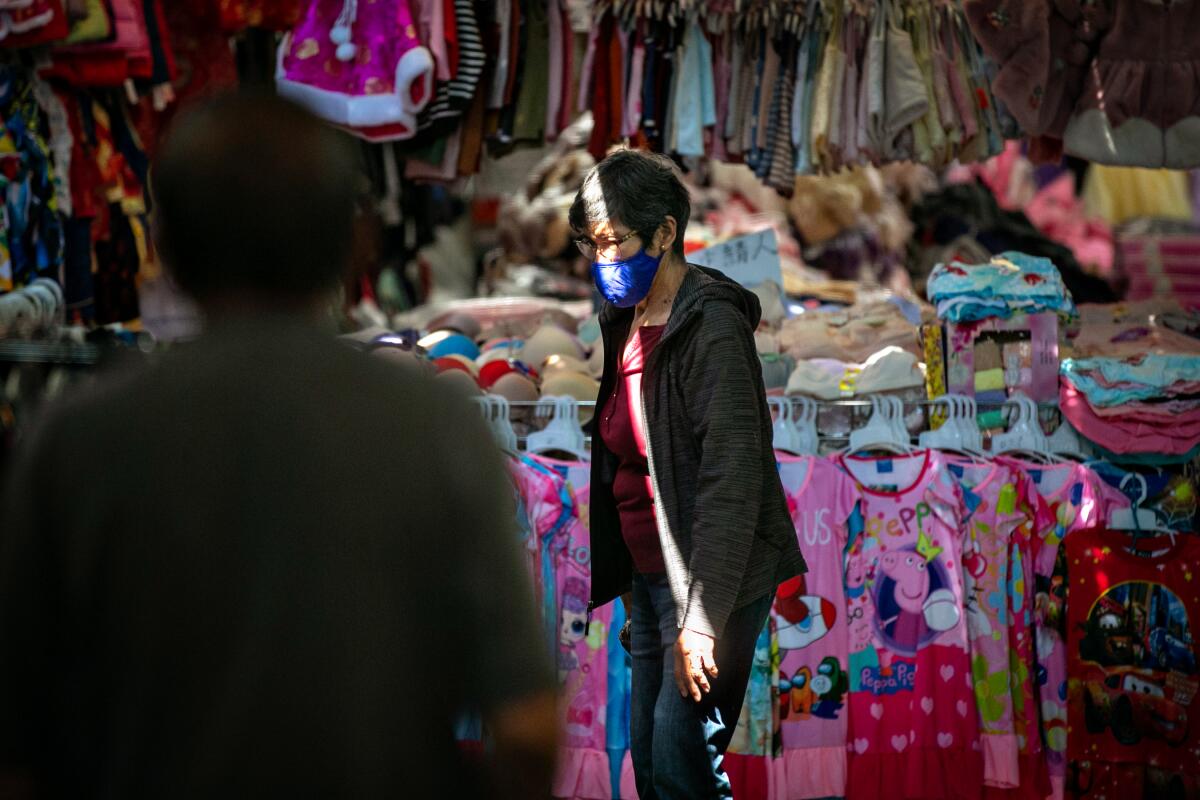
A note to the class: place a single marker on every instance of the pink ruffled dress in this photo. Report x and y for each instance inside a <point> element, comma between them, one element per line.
<point>360,65</point>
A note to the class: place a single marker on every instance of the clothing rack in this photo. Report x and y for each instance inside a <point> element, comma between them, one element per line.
<point>848,403</point>
<point>57,353</point>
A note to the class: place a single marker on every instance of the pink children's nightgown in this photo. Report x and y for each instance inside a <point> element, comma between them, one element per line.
<point>810,614</point>
<point>914,729</point>
<point>1005,511</point>
<point>581,650</point>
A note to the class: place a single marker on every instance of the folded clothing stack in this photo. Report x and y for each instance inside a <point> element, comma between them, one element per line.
<point>1137,399</point>
<point>1008,284</point>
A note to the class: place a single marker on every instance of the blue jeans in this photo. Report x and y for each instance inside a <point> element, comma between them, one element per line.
<point>677,745</point>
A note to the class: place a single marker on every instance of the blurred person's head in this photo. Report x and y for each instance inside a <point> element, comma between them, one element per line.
<point>254,204</point>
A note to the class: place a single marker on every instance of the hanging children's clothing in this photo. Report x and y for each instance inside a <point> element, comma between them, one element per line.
<point>1100,76</point>
<point>581,648</point>
<point>360,66</point>
<point>812,615</point>
<point>1131,653</point>
<point>1077,500</point>
<point>997,553</point>
<point>914,729</point>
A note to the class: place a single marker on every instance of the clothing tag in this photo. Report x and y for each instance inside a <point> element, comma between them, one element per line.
<point>1036,474</point>
<point>885,466</point>
<point>887,487</point>
<point>958,469</point>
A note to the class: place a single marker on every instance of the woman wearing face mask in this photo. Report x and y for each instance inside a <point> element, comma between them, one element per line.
<point>688,518</point>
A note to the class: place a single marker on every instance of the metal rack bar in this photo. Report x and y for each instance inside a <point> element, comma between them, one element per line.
<point>825,403</point>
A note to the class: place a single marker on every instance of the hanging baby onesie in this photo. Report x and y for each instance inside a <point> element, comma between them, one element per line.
<point>811,615</point>
<point>1006,510</point>
<point>914,729</point>
<point>1077,500</point>
<point>358,64</point>
<point>1130,650</point>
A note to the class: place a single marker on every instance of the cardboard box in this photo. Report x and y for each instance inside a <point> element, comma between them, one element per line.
<point>1029,351</point>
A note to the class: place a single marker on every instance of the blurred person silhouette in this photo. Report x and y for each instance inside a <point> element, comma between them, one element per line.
<point>267,565</point>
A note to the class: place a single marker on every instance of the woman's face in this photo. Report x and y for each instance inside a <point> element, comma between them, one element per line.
<point>609,240</point>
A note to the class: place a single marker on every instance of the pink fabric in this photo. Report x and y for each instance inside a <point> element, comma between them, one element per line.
<point>810,614</point>
<point>1177,389</point>
<point>131,37</point>
<point>433,35</point>
<point>633,99</point>
<point>1076,499</point>
<point>1035,776</point>
<point>554,95</point>
<point>389,58</point>
<point>1119,340</point>
<point>1002,493</point>
<point>583,768</point>
<point>1153,413</point>
<point>1120,435</point>
<point>543,507</point>
<point>1059,213</point>
<point>914,729</point>
<point>582,775</point>
<point>1054,209</point>
<point>628,788</point>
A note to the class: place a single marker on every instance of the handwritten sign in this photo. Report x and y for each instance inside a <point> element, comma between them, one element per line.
<point>750,260</point>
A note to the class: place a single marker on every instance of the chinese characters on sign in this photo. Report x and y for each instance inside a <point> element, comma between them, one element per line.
<point>751,260</point>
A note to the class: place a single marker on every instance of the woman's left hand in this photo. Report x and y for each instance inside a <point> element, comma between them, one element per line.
<point>694,664</point>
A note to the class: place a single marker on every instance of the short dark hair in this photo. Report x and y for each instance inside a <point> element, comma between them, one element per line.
<point>636,188</point>
<point>253,194</point>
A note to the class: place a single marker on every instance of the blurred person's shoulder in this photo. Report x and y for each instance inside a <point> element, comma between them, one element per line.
<point>253,374</point>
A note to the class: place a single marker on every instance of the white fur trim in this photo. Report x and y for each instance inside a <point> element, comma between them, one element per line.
<point>1135,143</point>
<point>416,64</point>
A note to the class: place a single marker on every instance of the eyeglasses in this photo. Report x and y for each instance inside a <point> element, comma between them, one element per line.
<point>590,248</point>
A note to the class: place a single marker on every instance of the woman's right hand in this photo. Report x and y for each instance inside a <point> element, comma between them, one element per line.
<point>694,664</point>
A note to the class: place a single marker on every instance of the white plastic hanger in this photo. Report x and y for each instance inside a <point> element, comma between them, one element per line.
<point>804,425</point>
<point>1024,433</point>
<point>1065,442</point>
<point>495,411</point>
<point>959,432</point>
<point>562,433</point>
<point>948,436</point>
<point>783,432</point>
<point>1135,518</point>
<point>895,412</point>
<point>880,432</point>
<point>966,421</point>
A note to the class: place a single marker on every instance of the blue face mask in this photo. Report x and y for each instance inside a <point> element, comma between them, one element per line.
<point>626,283</point>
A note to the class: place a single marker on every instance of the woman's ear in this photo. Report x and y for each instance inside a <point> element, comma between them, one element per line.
<point>664,237</point>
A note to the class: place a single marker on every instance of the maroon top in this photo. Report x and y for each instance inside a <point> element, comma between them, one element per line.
<point>622,432</point>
